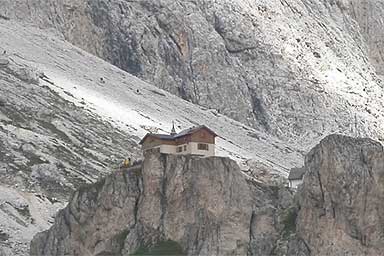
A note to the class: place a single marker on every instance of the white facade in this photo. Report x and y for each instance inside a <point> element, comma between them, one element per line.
<point>295,183</point>
<point>191,148</point>
<point>167,149</point>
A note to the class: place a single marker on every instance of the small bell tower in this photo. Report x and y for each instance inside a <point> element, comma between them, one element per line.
<point>173,131</point>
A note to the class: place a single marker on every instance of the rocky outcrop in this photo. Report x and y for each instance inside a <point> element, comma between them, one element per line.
<point>207,206</point>
<point>296,69</point>
<point>341,199</point>
<point>202,206</point>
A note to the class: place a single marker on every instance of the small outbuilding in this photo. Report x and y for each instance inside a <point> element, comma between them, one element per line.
<point>296,176</point>
<point>198,141</point>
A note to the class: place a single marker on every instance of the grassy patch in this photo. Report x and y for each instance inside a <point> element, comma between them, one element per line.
<point>289,221</point>
<point>162,248</point>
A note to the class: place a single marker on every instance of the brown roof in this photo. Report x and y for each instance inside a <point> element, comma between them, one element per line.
<point>193,130</point>
<point>178,135</point>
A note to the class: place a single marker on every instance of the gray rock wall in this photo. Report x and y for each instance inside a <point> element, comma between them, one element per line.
<point>48,147</point>
<point>341,199</point>
<point>206,205</point>
<point>366,13</point>
<point>295,69</point>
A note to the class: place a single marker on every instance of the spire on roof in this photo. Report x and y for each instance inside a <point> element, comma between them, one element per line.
<point>173,131</point>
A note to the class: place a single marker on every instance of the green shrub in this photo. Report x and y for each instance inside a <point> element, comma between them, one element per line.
<point>162,248</point>
<point>289,221</point>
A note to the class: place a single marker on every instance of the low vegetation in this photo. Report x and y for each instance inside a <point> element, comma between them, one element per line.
<point>168,247</point>
<point>289,221</point>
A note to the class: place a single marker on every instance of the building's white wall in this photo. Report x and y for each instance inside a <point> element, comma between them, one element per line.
<point>195,151</point>
<point>168,149</point>
<point>186,152</point>
<point>192,149</point>
<point>295,183</point>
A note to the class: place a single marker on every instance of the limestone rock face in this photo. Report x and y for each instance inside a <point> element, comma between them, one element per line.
<point>207,206</point>
<point>297,69</point>
<point>365,12</point>
<point>341,200</point>
<point>61,127</point>
<point>48,147</point>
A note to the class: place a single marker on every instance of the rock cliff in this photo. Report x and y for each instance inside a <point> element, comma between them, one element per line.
<point>296,69</point>
<point>207,206</point>
<point>199,206</point>
<point>341,200</point>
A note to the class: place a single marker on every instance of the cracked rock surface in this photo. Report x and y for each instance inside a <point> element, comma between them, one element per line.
<point>341,200</point>
<point>207,206</point>
<point>60,127</point>
<point>296,69</point>
<point>48,147</point>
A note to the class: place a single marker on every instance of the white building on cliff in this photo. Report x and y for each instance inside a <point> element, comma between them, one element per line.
<point>198,141</point>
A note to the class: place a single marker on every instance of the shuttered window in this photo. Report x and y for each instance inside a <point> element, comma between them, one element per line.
<point>202,146</point>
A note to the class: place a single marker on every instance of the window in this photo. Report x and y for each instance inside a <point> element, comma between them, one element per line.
<point>185,147</point>
<point>202,146</point>
<point>179,149</point>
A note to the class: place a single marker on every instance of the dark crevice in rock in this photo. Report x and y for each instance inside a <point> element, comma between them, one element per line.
<point>4,17</point>
<point>258,109</point>
<point>292,8</point>
<point>251,236</point>
<point>318,175</point>
<point>306,246</point>
<point>240,50</point>
<point>183,92</point>
<point>163,193</point>
<point>174,40</point>
<point>66,214</point>
<point>138,198</point>
<point>190,78</point>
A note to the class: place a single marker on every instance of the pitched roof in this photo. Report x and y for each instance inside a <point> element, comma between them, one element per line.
<point>162,136</point>
<point>193,130</point>
<point>178,135</point>
<point>296,173</point>
<point>159,136</point>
